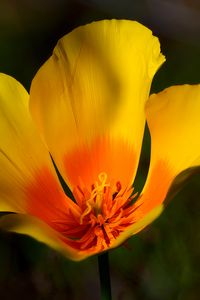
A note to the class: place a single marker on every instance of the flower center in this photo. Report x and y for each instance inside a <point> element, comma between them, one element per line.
<point>99,215</point>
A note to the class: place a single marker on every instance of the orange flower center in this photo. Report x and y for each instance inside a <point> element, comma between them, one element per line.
<point>99,215</point>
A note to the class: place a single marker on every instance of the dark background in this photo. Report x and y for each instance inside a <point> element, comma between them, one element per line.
<point>163,261</point>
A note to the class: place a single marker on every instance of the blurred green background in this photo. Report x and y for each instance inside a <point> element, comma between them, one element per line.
<point>163,261</point>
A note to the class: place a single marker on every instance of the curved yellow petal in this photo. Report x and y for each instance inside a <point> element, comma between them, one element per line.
<point>174,124</point>
<point>22,153</point>
<point>173,118</point>
<point>37,229</point>
<point>90,95</point>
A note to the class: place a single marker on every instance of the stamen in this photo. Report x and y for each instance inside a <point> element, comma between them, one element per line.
<point>87,211</point>
<point>119,186</point>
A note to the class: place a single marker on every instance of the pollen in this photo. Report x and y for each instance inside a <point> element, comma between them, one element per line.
<point>99,215</point>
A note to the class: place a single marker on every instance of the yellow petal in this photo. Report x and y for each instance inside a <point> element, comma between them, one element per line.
<point>90,95</point>
<point>173,118</point>
<point>22,154</point>
<point>35,228</point>
<point>174,123</point>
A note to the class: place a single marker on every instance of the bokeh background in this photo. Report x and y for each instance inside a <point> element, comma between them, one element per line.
<point>163,261</point>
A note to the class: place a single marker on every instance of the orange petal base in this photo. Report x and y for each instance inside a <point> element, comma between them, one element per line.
<point>117,158</point>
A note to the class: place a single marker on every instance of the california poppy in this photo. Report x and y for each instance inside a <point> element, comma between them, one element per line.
<point>86,114</point>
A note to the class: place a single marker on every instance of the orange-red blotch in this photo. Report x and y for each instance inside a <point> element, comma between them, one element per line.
<point>116,158</point>
<point>47,201</point>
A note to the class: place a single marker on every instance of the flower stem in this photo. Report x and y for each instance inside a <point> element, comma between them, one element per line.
<point>104,276</point>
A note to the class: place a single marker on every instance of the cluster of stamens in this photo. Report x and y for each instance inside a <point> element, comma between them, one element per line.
<point>99,215</point>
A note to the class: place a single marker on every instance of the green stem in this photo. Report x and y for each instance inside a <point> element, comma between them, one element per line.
<point>104,276</point>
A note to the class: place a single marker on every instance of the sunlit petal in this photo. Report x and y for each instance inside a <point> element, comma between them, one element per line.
<point>88,99</point>
<point>22,154</point>
<point>173,118</point>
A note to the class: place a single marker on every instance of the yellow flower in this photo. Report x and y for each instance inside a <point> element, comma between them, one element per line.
<point>88,103</point>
